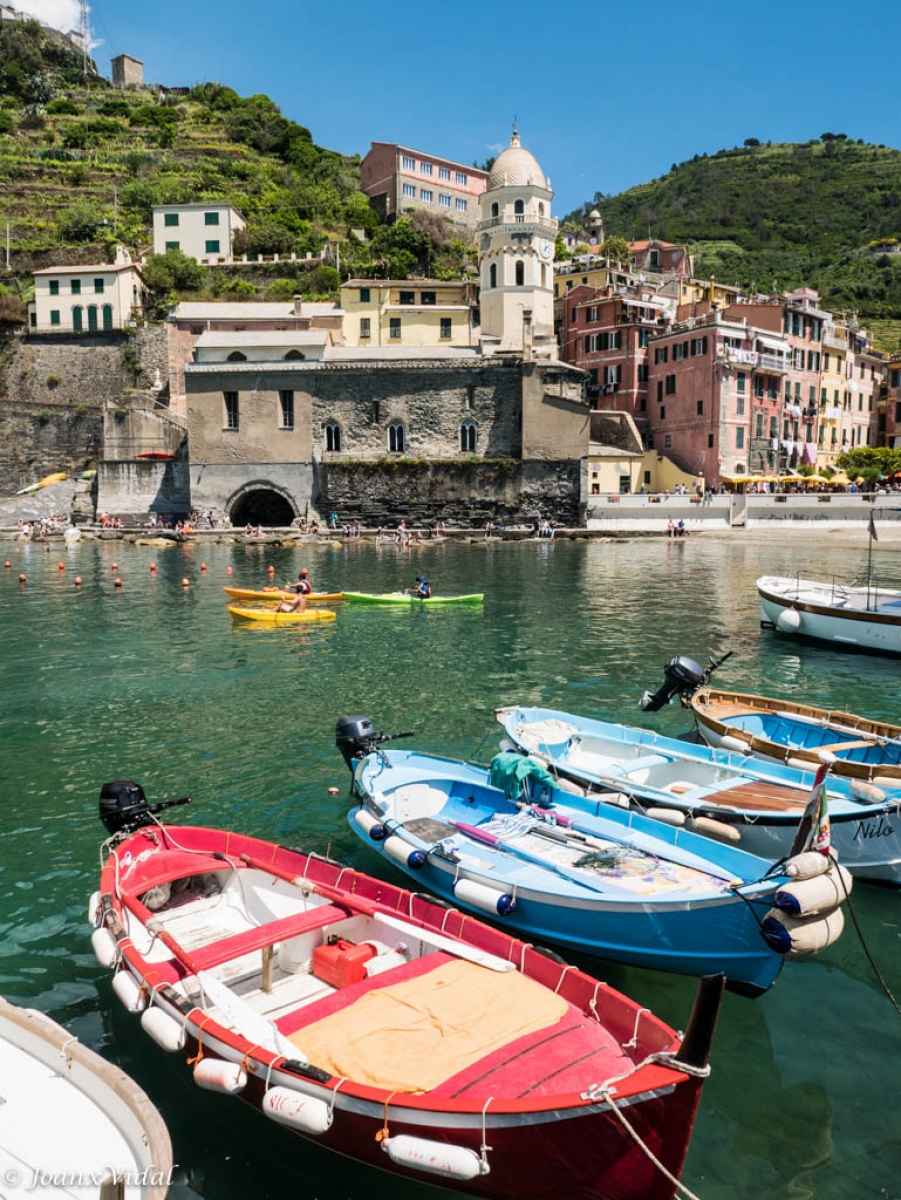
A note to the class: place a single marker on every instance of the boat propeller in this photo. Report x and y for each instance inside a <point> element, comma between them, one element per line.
<point>124,807</point>
<point>356,737</point>
<point>682,677</point>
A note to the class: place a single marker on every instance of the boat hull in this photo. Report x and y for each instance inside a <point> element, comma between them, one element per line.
<point>276,594</point>
<point>808,612</point>
<point>271,617</point>
<point>401,598</point>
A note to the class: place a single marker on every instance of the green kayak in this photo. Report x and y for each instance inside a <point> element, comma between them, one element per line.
<point>403,598</point>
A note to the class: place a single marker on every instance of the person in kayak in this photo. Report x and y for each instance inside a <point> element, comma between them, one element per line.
<point>303,586</point>
<point>422,590</point>
<point>296,605</point>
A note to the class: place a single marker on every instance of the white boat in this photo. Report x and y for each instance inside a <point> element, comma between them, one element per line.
<point>863,618</point>
<point>73,1125</point>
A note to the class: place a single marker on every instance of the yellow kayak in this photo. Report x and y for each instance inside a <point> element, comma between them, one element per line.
<point>277,618</point>
<point>278,594</point>
<point>56,477</point>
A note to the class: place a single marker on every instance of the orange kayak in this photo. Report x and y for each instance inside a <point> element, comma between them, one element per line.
<point>275,594</point>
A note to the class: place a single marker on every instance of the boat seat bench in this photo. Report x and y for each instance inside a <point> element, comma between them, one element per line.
<point>267,935</point>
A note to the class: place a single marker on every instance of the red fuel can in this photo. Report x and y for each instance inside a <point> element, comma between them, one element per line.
<point>340,963</point>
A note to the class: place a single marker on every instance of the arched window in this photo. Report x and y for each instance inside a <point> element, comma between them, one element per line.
<point>468,436</point>
<point>520,273</point>
<point>540,209</point>
<point>494,210</point>
<point>92,318</point>
<point>332,436</point>
<point>396,440</point>
<point>107,316</point>
<point>519,207</point>
<point>237,356</point>
<point>293,356</point>
<point>77,318</point>
<point>492,275</point>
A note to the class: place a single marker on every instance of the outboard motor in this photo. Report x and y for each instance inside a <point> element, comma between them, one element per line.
<point>356,737</point>
<point>124,807</point>
<point>682,677</point>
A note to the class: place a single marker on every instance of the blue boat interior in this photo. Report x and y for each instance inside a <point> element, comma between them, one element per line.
<point>785,731</point>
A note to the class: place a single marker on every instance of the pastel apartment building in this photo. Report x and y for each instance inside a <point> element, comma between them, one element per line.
<point>101,298</point>
<point>202,231</point>
<point>410,312</point>
<point>396,178</point>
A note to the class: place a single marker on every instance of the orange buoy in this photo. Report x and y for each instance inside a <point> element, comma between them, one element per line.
<point>62,566</point>
<point>8,564</point>
<point>186,583</point>
<point>117,582</point>
<point>228,570</point>
<point>22,578</point>
<point>272,570</point>
<point>153,566</point>
<point>78,581</point>
<point>114,566</point>
<point>333,791</point>
<point>203,566</point>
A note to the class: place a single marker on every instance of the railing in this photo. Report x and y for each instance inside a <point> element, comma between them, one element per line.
<point>518,219</point>
<point>772,362</point>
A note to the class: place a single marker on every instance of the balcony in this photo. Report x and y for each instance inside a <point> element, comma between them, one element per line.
<point>524,220</point>
<point>773,362</point>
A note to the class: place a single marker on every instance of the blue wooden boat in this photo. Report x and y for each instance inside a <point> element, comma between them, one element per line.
<point>609,882</point>
<point>723,793</point>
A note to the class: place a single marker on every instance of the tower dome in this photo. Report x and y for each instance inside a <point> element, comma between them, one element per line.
<point>516,167</point>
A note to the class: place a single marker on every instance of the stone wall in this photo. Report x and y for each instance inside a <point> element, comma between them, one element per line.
<point>132,489</point>
<point>152,353</point>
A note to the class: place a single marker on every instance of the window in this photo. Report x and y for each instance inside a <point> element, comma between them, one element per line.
<point>77,319</point>
<point>494,210</point>
<point>408,164</point>
<point>492,275</point>
<point>98,286</point>
<point>425,194</point>
<point>460,205</point>
<point>655,258</point>
<point>698,346</point>
<point>670,385</point>
<point>394,327</point>
<point>286,404</point>
<point>408,297</point>
<point>520,273</point>
<point>613,375</point>
<point>409,191</point>
<point>680,350</point>
<point>661,354</point>
<point>700,408</point>
<point>709,441</point>
<point>54,316</point>
<point>365,327</point>
<point>519,207</point>
<point>428,298</point>
<point>659,389</point>
<point>443,200</point>
<point>396,440</point>
<point>54,287</point>
<point>425,168</point>
<point>212,246</point>
<point>643,337</point>
<point>760,425</point>
<point>231,409</point>
<point>740,438</point>
<point>468,436</point>
<point>364,295</point>
<point>170,220</point>
<point>211,218</point>
<point>662,415</point>
<point>668,440</point>
<point>76,287</point>
<point>445,327</point>
<point>173,245</point>
<point>107,316</point>
<point>740,406</point>
<point>461,178</point>
<point>642,372</point>
<point>332,436</point>
<point>444,173</point>
<point>470,396</point>
<point>741,381</point>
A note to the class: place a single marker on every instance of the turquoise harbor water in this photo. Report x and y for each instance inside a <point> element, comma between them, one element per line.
<point>156,683</point>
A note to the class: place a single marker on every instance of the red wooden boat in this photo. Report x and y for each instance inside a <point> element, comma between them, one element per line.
<point>390,1028</point>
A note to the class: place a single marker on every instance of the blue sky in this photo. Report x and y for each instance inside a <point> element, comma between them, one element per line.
<point>605,96</point>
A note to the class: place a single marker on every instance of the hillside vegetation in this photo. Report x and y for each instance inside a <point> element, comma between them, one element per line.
<point>791,214</point>
<point>82,163</point>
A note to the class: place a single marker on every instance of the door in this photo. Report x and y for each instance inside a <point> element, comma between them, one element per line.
<point>92,318</point>
<point>77,319</point>
<point>107,316</point>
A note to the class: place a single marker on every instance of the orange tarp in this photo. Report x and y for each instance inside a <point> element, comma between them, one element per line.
<point>412,1035</point>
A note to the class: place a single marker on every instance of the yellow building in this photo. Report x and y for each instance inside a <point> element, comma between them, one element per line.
<point>409,312</point>
<point>834,396</point>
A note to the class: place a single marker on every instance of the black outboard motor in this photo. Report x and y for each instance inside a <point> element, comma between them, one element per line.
<point>682,677</point>
<point>124,807</point>
<point>356,737</point>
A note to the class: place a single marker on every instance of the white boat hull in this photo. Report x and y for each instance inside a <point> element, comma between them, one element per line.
<point>825,614</point>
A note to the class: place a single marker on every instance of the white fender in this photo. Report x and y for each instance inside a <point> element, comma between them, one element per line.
<point>437,1158</point>
<point>800,937</point>
<point>105,947</point>
<point>166,1032</point>
<point>811,897</point>
<point>789,620</point>
<point>129,991</point>
<point>807,865</point>
<point>480,896</point>
<point>804,764</point>
<point>893,783</point>
<point>402,852</point>
<point>568,785</point>
<point>297,1111</point>
<point>94,917</point>
<point>825,756</point>
<point>730,742</point>
<point>367,822</point>
<point>215,1075</point>
<point>620,799</point>
<point>717,829</point>
<point>866,792</point>
<point>669,816</point>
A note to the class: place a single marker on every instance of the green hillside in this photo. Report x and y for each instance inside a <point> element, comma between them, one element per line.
<point>794,214</point>
<point>81,164</point>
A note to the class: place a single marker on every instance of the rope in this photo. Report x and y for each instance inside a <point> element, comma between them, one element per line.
<point>633,1133</point>
<point>866,949</point>
<point>331,1107</point>
<point>198,1057</point>
<point>633,1041</point>
<point>384,1131</point>
<point>563,974</point>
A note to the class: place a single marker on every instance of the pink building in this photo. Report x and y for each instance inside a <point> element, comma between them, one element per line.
<point>396,178</point>
<point>664,257</point>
